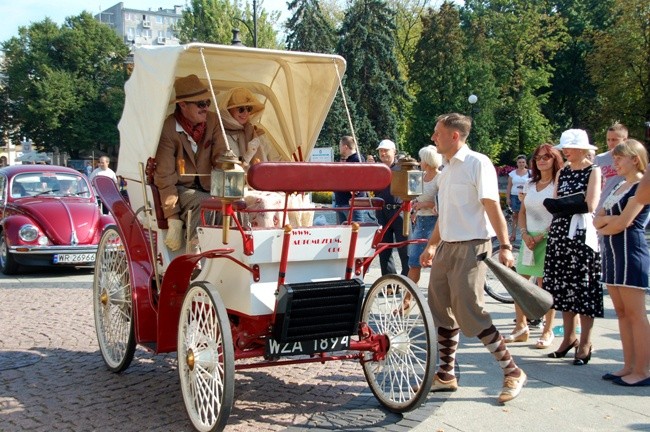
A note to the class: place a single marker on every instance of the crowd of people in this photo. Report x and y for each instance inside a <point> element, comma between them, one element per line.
<point>581,225</point>
<point>582,228</point>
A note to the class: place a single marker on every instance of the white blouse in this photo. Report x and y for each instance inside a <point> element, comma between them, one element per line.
<point>538,219</point>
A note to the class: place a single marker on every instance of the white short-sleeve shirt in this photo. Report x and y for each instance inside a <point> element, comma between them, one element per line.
<point>468,178</point>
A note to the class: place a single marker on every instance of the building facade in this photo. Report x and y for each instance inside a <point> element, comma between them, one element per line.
<point>143,27</point>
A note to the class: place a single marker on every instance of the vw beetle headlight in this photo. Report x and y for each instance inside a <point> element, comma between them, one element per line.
<point>28,233</point>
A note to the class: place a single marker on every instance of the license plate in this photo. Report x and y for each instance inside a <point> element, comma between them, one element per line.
<point>275,348</point>
<point>74,258</point>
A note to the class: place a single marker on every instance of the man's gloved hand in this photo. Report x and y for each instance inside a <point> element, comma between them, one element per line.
<point>174,237</point>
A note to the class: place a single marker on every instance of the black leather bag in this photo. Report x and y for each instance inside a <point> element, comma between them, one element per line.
<point>567,205</point>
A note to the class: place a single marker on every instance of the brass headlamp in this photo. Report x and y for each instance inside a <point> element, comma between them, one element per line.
<point>407,183</point>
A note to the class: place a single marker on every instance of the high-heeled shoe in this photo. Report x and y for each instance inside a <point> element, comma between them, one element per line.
<point>563,353</point>
<point>581,361</point>
<point>518,336</point>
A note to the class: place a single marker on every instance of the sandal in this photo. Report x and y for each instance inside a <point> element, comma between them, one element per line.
<point>545,342</point>
<point>406,307</point>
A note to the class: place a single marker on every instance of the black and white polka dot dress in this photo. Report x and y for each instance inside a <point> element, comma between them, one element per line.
<point>571,268</point>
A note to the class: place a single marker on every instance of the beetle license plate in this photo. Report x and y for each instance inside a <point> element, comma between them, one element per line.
<point>275,348</point>
<point>74,258</point>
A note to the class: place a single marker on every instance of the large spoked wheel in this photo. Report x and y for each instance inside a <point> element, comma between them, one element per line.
<point>8,264</point>
<point>402,379</point>
<point>493,286</point>
<point>113,303</point>
<point>206,360</point>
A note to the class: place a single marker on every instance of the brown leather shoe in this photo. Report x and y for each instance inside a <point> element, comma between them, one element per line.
<point>440,385</point>
<point>512,387</point>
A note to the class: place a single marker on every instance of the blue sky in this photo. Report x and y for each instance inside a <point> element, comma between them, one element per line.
<point>20,13</point>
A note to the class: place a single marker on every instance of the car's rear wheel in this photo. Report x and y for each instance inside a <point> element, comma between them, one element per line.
<point>8,264</point>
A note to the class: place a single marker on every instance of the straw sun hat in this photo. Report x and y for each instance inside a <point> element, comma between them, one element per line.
<point>240,97</point>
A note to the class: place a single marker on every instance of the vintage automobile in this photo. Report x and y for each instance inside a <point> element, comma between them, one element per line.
<point>48,217</point>
<point>257,294</point>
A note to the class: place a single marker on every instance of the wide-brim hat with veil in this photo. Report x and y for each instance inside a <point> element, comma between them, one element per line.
<point>239,97</point>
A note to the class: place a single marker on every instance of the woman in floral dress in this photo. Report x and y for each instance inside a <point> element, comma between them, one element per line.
<point>572,266</point>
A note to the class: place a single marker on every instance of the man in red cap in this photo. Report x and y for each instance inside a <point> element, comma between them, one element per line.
<point>190,143</point>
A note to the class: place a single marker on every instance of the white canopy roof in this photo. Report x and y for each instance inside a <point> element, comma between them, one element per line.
<point>296,89</point>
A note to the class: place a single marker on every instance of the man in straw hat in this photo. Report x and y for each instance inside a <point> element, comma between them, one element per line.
<point>467,212</point>
<point>190,143</point>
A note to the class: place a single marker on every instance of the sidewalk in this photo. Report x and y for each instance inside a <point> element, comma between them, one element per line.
<point>558,396</point>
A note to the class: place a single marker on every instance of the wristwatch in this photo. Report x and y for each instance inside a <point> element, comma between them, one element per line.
<point>505,247</point>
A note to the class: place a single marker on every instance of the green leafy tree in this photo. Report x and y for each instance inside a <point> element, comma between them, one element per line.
<point>573,100</point>
<point>309,30</point>
<point>437,74</point>
<point>373,81</point>
<point>620,67</point>
<point>212,21</point>
<point>523,37</point>
<point>64,84</point>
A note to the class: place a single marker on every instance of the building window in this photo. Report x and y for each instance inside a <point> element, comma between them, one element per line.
<point>159,19</point>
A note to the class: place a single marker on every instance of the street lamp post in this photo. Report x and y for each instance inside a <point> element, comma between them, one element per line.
<point>472,99</point>
<point>253,32</point>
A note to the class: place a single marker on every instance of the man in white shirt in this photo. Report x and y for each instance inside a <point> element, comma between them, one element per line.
<point>616,134</point>
<point>103,170</point>
<point>468,216</point>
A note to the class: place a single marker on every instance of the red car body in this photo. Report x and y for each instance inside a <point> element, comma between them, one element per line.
<point>49,215</point>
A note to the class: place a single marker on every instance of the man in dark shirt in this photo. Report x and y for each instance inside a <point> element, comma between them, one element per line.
<point>348,150</point>
<point>387,154</point>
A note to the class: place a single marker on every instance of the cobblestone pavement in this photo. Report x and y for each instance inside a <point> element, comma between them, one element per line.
<point>53,377</point>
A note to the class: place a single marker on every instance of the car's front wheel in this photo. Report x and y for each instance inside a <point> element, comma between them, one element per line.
<point>8,264</point>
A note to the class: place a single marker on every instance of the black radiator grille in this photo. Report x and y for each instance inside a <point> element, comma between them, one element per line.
<point>318,310</point>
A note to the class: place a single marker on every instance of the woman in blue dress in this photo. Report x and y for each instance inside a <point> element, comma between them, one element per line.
<point>626,260</point>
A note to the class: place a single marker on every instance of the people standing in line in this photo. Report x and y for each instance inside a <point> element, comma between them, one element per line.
<point>190,143</point>
<point>392,204</point>
<point>622,221</point>
<point>572,266</point>
<point>348,151</point>
<point>469,213</point>
<point>516,181</point>
<point>616,134</point>
<point>534,222</point>
<point>425,213</point>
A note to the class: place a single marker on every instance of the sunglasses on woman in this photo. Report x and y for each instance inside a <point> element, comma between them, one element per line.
<point>543,158</point>
<point>202,104</point>
<point>244,109</point>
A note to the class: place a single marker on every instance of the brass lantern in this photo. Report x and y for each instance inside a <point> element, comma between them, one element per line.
<point>227,184</point>
<point>407,183</point>
<point>228,181</point>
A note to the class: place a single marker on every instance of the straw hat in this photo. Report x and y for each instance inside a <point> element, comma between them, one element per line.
<point>575,139</point>
<point>240,97</point>
<point>190,89</point>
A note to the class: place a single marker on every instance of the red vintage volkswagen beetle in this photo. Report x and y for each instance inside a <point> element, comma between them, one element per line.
<point>48,216</point>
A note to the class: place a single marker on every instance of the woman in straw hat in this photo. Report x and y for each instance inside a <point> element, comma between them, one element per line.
<point>240,111</point>
<point>572,266</point>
